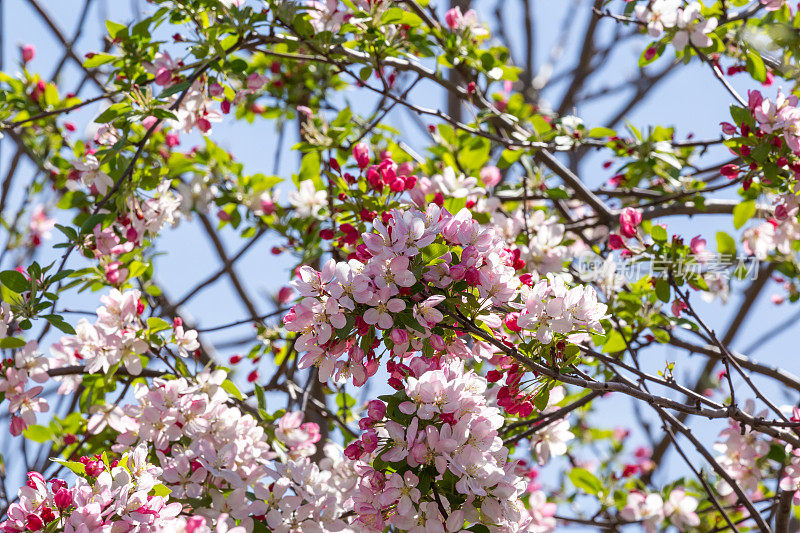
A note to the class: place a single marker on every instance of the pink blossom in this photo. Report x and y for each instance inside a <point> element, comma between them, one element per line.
<point>629,220</point>
<point>28,53</point>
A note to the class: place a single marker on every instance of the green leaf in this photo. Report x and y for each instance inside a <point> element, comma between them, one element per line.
<point>615,342</point>
<point>585,480</point>
<point>743,212</point>
<point>725,244</point>
<point>161,490</point>
<point>262,400</point>
<point>14,281</point>
<point>740,115</point>
<point>392,16</point>
<point>98,59</point>
<point>136,269</point>
<point>557,193</point>
<point>74,466</point>
<point>663,290</point>
<point>112,112</point>
<point>475,153</point>
<point>174,89</point>
<point>310,169</point>
<point>115,28</point>
<point>10,343</point>
<point>541,399</point>
<point>156,324</point>
<point>38,433</point>
<point>231,389</point>
<point>659,234</point>
<point>58,322</point>
<point>601,132</point>
<point>540,124</point>
<point>661,335</point>
<point>755,66</point>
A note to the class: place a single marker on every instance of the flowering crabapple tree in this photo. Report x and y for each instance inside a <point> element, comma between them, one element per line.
<point>437,357</point>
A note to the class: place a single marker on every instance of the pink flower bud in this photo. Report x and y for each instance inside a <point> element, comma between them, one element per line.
<point>405,169</point>
<point>525,409</point>
<point>491,176</point>
<point>376,410</point>
<point>361,154</point>
<point>399,336</point>
<point>754,100</point>
<point>629,220</point>
<point>285,295</point>
<point>677,307</point>
<point>511,322</point>
<point>255,81</point>
<point>63,498</point>
<point>728,128</point>
<point>698,245</point>
<point>34,479</point>
<point>204,125</point>
<point>354,451</point>
<point>163,76</point>
<point>34,523</point>
<point>472,276</point>
<point>437,343</point>
<point>149,121</point>
<point>215,89</point>
<point>615,242</point>
<point>28,52</point>
<point>453,18</point>
<point>370,441</point>
<point>18,425</point>
<point>94,468</point>
<point>730,171</point>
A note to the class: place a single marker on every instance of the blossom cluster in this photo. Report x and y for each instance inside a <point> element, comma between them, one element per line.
<point>778,233</point>
<point>307,496</point>
<point>143,218</point>
<point>551,437</point>
<point>329,15</point>
<point>651,510</point>
<point>392,285</point>
<point>779,116</point>
<point>401,275</point>
<point>115,338</point>
<point>439,431</point>
<point>466,22</point>
<point>195,109</point>
<point>40,225</point>
<point>119,496</point>
<point>687,21</point>
<point>15,374</point>
<point>740,449</point>
<point>549,308</point>
<point>790,482</point>
<point>204,445</point>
